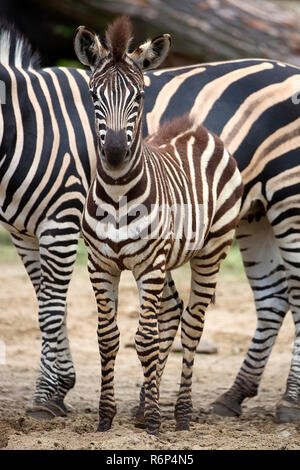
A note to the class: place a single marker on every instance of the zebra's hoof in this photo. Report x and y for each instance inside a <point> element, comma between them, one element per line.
<point>153,432</point>
<point>104,425</point>
<point>287,412</point>
<point>182,427</point>
<point>48,410</point>
<point>140,419</point>
<point>226,407</point>
<point>140,424</point>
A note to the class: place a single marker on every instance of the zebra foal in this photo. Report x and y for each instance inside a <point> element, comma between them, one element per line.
<point>125,224</point>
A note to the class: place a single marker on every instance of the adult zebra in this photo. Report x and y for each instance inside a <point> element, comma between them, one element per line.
<point>47,159</point>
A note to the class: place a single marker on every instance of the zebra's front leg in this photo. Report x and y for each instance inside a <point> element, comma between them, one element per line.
<point>151,286</point>
<point>57,374</point>
<point>168,321</point>
<point>66,376</point>
<point>105,286</point>
<point>47,403</point>
<point>46,400</point>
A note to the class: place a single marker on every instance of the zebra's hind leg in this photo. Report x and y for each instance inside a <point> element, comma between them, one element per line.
<point>287,233</point>
<point>205,268</point>
<point>151,286</point>
<point>267,275</point>
<point>170,311</point>
<point>50,273</point>
<point>288,407</point>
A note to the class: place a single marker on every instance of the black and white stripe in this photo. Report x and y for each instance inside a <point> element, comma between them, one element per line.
<point>47,159</point>
<point>48,150</point>
<point>178,171</point>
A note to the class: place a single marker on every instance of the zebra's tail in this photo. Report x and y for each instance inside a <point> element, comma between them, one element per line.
<point>15,49</point>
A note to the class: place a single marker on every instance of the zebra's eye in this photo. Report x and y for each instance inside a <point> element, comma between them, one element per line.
<point>139,96</point>
<point>94,96</point>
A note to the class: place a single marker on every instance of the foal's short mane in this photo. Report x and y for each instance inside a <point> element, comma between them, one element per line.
<point>117,36</point>
<point>170,129</point>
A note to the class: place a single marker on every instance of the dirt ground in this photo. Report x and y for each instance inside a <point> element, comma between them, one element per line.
<point>230,324</point>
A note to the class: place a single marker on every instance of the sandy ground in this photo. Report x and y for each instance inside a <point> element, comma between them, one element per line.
<point>230,324</point>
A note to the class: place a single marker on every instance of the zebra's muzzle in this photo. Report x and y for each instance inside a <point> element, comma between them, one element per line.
<point>115,148</point>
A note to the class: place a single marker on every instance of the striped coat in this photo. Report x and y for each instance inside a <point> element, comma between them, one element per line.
<point>253,104</point>
<point>187,189</point>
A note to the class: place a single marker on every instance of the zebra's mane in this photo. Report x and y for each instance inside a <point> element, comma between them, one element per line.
<point>118,35</point>
<point>170,129</point>
<point>15,49</point>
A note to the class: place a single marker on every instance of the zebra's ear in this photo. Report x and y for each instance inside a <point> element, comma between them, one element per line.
<point>88,47</point>
<point>152,53</point>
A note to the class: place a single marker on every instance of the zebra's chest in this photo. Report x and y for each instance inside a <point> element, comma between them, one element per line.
<point>129,242</point>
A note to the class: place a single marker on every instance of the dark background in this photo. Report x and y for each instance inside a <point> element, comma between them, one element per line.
<point>50,27</point>
<point>202,30</point>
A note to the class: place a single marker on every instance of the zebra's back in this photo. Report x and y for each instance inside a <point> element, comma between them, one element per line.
<point>48,146</point>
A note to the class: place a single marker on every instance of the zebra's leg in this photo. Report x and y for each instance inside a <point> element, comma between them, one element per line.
<point>57,251</point>
<point>170,311</point>
<point>204,274</point>
<point>287,234</point>
<point>66,376</point>
<point>54,405</point>
<point>267,275</point>
<point>105,286</point>
<point>288,407</point>
<point>151,287</point>
<point>28,250</point>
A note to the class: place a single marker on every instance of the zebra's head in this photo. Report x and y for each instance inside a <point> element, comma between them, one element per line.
<point>117,85</point>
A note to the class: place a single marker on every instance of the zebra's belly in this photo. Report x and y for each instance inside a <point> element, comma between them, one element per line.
<point>182,251</point>
<point>138,254</point>
<point>15,228</point>
<point>122,256</point>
